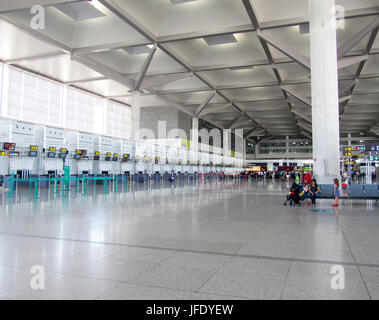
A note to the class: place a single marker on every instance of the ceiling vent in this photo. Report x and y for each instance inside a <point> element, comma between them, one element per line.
<point>80,11</point>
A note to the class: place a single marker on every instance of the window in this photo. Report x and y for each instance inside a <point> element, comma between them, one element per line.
<point>118,123</point>
<point>30,98</point>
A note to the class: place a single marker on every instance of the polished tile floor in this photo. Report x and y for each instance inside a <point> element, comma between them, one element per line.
<point>204,240</point>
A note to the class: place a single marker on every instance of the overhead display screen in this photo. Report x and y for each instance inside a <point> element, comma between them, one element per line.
<point>9,146</point>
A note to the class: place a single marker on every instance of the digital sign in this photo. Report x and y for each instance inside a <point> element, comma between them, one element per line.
<point>9,146</point>
<point>81,152</point>
<point>14,154</point>
<point>97,153</point>
<point>63,150</point>
<point>33,148</point>
<point>52,149</point>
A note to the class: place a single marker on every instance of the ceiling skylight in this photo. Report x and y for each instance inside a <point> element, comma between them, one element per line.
<point>80,11</point>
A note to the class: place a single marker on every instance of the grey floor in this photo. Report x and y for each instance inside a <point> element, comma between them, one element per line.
<point>190,241</point>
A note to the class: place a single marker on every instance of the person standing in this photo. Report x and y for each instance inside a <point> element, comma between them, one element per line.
<point>336,193</point>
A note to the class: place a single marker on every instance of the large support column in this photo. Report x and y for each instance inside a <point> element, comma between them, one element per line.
<point>325,113</point>
<point>136,114</point>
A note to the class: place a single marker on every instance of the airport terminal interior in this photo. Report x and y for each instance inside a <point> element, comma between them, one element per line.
<point>189,149</point>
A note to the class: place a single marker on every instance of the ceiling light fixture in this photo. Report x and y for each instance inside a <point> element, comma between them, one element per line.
<point>180,1</point>
<point>241,68</point>
<point>220,39</point>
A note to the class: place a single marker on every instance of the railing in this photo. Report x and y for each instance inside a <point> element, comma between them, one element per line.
<point>65,183</point>
<point>84,182</point>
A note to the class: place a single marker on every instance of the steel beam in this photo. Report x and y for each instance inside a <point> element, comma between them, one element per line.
<point>243,125</point>
<point>144,68</point>
<point>201,107</point>
<point>298,95</point>
<point>306,134</point>
<point>351,43</point>
<point>349,61</point>
<point>229,124</point>
<point>360,67</point>
<point>286,50</point>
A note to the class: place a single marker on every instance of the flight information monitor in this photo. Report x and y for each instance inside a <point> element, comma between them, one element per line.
<point>33,154</point>
<point>62,155</point>
<point>51,155</point>
<point>9,146</point>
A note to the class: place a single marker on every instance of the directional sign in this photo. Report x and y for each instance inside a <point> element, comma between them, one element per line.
<point>372,148</point>
<point>358,151</point>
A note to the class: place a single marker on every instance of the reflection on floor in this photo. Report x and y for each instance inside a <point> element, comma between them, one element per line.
<point>206,240</point>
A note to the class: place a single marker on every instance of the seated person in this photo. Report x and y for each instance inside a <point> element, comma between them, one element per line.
<point>313,191</point>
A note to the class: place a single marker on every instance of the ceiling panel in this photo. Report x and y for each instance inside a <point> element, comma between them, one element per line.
<point>61,68</point>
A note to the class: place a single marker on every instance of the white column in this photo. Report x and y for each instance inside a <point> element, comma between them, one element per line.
<point>238,145</point>
<point>287,144</point>
<point>227,139</point>
<point>136,114</point>
<point>195,135</point>
<point>325,110</point>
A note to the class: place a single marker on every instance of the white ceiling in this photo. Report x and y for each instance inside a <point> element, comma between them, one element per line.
<point>185,70</point>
